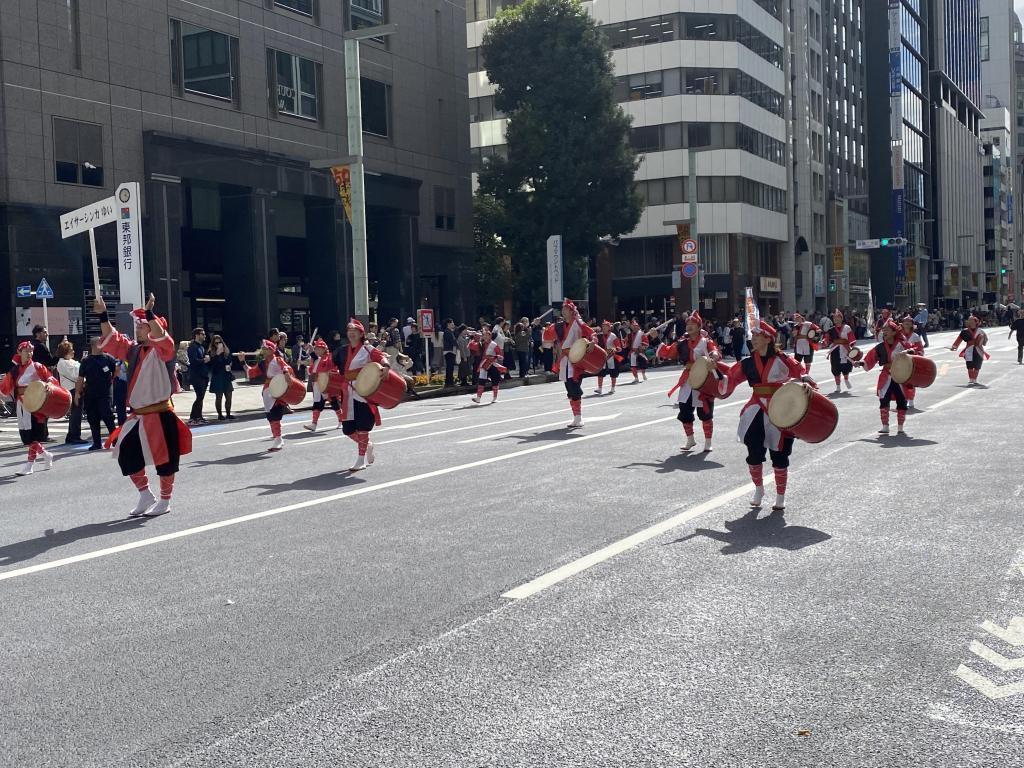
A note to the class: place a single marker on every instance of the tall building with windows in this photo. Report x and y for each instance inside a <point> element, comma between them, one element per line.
<point>227,116</point>
<point>829,157</point>
<point>709,79</point>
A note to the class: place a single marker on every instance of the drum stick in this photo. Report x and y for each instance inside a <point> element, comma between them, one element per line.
<point>538,319</point>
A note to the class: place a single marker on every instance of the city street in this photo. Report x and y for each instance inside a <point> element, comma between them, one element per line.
<point>498,591</point>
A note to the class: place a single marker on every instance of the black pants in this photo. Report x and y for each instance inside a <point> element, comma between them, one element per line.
<point>97,410</point>
<point>130,456</point>
<point>524,363</point>
<point>754,440</point>
<point>574,389</point>
<point>223,398</point>
<point>449,369</point>
<point>705,412</point>
<point>975,364</point>
<point>319,405</point>
<point>808,358</point>
<point>737,350</point>
<point>924,334</point>
<point>363,420</point>
<point>894,392</point>
<point>1020,350</point>
<point>74,420</point>
<point>838,368</point>
<point>199,385</point>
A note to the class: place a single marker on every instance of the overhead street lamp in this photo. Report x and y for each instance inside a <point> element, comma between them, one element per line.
<point>354,115</point>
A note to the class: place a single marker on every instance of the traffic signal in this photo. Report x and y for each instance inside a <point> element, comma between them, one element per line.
<point>1002,271</point>
<point>893,242</point>
<point>831,285</point>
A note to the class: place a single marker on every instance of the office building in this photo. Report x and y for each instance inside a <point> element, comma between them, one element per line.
<point>222,115</point>
<point>711,80</point>
<point>1000,268</point>
<point>830,178</point>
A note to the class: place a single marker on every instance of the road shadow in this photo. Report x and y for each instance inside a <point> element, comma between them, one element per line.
<point>897,441</point>
<point>560,433</point>
<point>329,481</point>
<point>681,462</point>
<point>840,395</point>
<point>21,551</point>
<point>748,533</point>
<point>232,461</point>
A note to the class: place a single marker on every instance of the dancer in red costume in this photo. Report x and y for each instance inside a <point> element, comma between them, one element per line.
<point>689,348</point>
<point>360,416</point>
<point>570,332</point>
<point>31,426</point>
<point>322,363</point>
<point>888,390</point>
<point>612,344</point>
<point>974,353</point>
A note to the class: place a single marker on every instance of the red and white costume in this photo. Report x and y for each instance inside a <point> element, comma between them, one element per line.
<point>693,402</point>
<point>322,362</point>
<point>571,332</point>
<point>974,353</point>
<point>888,390</point>
<point>840,338</point>
<point>359,415</point>
<point>272,366</point>
<point>637,343</point>
<point>490,354</point>
<point>612,345</point>
<point>31,427</point>
<point>913,341</point>
<point>153,435</point>
<point>803,344</point>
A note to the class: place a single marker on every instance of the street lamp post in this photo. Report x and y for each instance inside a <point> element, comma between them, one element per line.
<point>691,194</point>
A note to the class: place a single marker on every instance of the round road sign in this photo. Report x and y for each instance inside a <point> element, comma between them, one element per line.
<point>690,269</point>
<point>689,246</point>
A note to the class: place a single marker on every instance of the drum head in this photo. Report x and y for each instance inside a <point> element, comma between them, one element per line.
<point>702,366</point>
<point>855,353</point>
<point>902,367</point>
<point>788,405</point>
<point>812,334</point>
<point>278,385</point>
<point>578,350</point>
<point>35,396</point>
<point>369,378</point>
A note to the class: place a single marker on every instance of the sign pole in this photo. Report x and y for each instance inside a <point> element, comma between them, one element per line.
<point>46,323</point>
<point>95,264</point>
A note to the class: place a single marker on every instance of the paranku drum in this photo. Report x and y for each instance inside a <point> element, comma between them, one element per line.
<point>587,355</point>
<point>331,383</point>
<point>812,335</point>
<point>854,354</point>
<point>803,412</point>
<point>287,388</point>
<point>51,400</point>
<point>380,385</point>
<point>701,378</point>
<point>912,370</point>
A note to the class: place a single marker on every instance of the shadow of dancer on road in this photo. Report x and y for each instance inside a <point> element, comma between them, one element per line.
<point>30,548</point>
<point>680,462</point>
<point>749,533</point>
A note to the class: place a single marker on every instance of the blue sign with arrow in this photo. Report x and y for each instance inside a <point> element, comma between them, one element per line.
<point>44,291</point>
<point>23,292</point>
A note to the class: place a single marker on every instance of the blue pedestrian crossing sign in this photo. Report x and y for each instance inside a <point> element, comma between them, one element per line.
<point>44,291</point>
<point>23,292</point>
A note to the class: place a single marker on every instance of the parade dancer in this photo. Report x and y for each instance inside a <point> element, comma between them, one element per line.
<point>322,363</point>
<point>766,370</point>
<point>360,416</point>
<point>840,339</point>
<point>31,426</point>
<point>271,364</point>
<point>913,341</point>
<point>568,333</point>
<point>887,389</point>
<point>1018,327</point>
<point>489,354</point>
<point>974,353</point>
<point>804,335</point>
<point>693,345</point>
<point>884,317</point>
<point>611,343</point>
<point>637,345</point>
<point>153,433</point>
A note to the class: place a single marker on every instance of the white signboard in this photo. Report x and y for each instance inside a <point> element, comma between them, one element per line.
<point>867,245</point>
<point>89,217</point>
<point>129,244</point>
<point>555,290</point>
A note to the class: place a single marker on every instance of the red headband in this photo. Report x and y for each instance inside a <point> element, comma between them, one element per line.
<point>139,317</point>
<point>354,324</point>
<point>765,328</point>
<point>23,346</point>
<point>568,304</point>
<point>268,344</point>
<point>320,344</point>
<point>695,318</point>
<point>891,325</point>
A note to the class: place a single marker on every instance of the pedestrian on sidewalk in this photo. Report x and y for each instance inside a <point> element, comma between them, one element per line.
<point>92,390</point>
<point>199,375</point>
<point>181,366</point>
<point>67,372</point>
<point>221,378</point>
<point>1018,327</point>
<point>450,347</point>
<point>523,339</point>
<point>300,356</point>
<point>921,321</point>
<point>463,339</point>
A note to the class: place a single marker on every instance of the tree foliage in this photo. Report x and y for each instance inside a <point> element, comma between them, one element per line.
<point>494,275</point>
<point>570,169</point>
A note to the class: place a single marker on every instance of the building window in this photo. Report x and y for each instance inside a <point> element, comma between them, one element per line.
<point>366,13</point>
<point>376,102</point>
<point>983,38</point>
<point>203,61</point>
<point>305,7</point>
<point>295,85</point>
<point>444,208</point>
<point>77,152</point>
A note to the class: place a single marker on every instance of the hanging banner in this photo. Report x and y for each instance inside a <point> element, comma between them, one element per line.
<point>751,314</point>
<point>343,178</point>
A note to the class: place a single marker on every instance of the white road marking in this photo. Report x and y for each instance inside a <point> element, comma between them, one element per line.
<point>986,686</point>
<point>294,419</point>
<point>332,428</point>
<point>1013,634</point>
<point>996,659</point>
<point>560,423</point>
<point>360,491</point>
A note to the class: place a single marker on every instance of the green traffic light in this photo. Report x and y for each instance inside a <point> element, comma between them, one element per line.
<point>885,242</point>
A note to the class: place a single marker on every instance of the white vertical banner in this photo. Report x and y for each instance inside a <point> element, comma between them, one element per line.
<point>751,312</point>
<point>129,244</point>
<point>555,289</point>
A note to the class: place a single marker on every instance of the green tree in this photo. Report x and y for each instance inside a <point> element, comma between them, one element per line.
<point>494,275</point>
<point>570,169</point>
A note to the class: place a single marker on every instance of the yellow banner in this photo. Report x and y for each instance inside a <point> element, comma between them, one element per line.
<point>343,178</point>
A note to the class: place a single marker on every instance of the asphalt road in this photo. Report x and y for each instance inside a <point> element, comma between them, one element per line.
<point>495,591</point>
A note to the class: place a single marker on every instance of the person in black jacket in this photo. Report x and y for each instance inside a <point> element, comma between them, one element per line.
<point>198,374</point>
<point>95,377</point>
<point>450,349</point>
